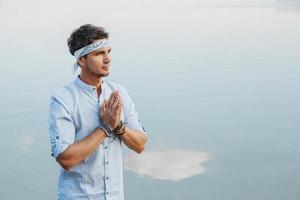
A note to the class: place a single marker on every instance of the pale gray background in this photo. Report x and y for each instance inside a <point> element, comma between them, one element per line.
<point>217,76</point>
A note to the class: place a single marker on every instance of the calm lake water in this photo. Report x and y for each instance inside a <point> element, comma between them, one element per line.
<point>216,85</point>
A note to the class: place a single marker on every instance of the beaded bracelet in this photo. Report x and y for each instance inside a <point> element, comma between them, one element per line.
<point>106,129</point>
<point>120,129</point>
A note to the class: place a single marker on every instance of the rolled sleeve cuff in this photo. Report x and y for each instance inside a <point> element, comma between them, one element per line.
<point>58,148</point>
<point>135,124</point>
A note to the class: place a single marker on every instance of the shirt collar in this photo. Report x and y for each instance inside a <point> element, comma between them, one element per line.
<point>83,85</point>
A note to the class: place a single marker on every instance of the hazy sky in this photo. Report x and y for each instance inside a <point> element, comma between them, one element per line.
<point>42,27</point>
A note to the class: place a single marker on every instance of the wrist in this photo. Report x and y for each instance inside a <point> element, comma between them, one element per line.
<point>106,128</point>
<point>101,131</point>
<point>120,129</point>
<point>122,133</point>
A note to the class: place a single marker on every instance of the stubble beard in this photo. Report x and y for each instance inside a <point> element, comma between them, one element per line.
<point>98,74</point>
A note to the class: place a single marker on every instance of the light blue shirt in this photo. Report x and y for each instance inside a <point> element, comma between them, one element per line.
<point>74,114</point>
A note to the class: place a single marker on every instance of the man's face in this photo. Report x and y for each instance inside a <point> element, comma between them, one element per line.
<point>98,62</point>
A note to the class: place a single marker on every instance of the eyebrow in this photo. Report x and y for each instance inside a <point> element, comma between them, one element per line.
<point>103,51</point>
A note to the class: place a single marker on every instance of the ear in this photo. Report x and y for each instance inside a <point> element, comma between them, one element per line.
<point>82,61</point>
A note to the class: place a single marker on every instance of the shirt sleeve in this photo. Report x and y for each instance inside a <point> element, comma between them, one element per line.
<point>61,127</point>
<point>131,117</point>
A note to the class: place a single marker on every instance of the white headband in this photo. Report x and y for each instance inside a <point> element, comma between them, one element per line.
<point>99,44</point>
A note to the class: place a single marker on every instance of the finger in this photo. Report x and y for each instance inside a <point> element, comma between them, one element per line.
<point>111,96</point>
<point>113,102</point>
<point>111,99</point>
<point>102,110</point>
<point>119,108</point>
<point>121,102</point>
<point>118,111</point>
<point>116,103</point>
<point>105,104</point>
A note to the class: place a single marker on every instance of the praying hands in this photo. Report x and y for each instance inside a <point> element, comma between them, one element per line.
<point>110,111</point>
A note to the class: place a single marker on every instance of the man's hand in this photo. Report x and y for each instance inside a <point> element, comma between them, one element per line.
<point>110,114</point>
<point>110,111</point>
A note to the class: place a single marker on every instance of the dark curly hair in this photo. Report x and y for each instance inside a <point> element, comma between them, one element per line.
<point>85,35</point>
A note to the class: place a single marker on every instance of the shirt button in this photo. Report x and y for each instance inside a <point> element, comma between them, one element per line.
<point>57,137</point>
<point>105,147</point>
<point>106,163</point>
<point>107,178</point>
<point>106,192</point>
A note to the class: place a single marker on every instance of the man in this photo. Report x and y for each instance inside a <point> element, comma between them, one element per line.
<point>89,121</point>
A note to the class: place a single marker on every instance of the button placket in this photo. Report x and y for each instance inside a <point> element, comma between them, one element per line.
<point>95,96</point>
<point>106,159</point>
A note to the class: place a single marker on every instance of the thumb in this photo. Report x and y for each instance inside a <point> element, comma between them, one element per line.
<point>103,106</point>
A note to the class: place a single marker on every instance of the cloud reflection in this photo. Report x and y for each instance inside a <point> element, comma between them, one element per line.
<point>26,143</point>
<point>173,165</point>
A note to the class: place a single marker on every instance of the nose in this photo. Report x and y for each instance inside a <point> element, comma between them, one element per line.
<point>107,58</point>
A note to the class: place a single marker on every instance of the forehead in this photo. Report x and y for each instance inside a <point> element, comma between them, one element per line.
<point>103,50</point>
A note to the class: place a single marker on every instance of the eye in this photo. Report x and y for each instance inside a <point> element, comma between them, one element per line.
<point>98,53</point>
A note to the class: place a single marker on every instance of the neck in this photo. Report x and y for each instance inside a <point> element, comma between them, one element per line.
<point>91,80</point>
